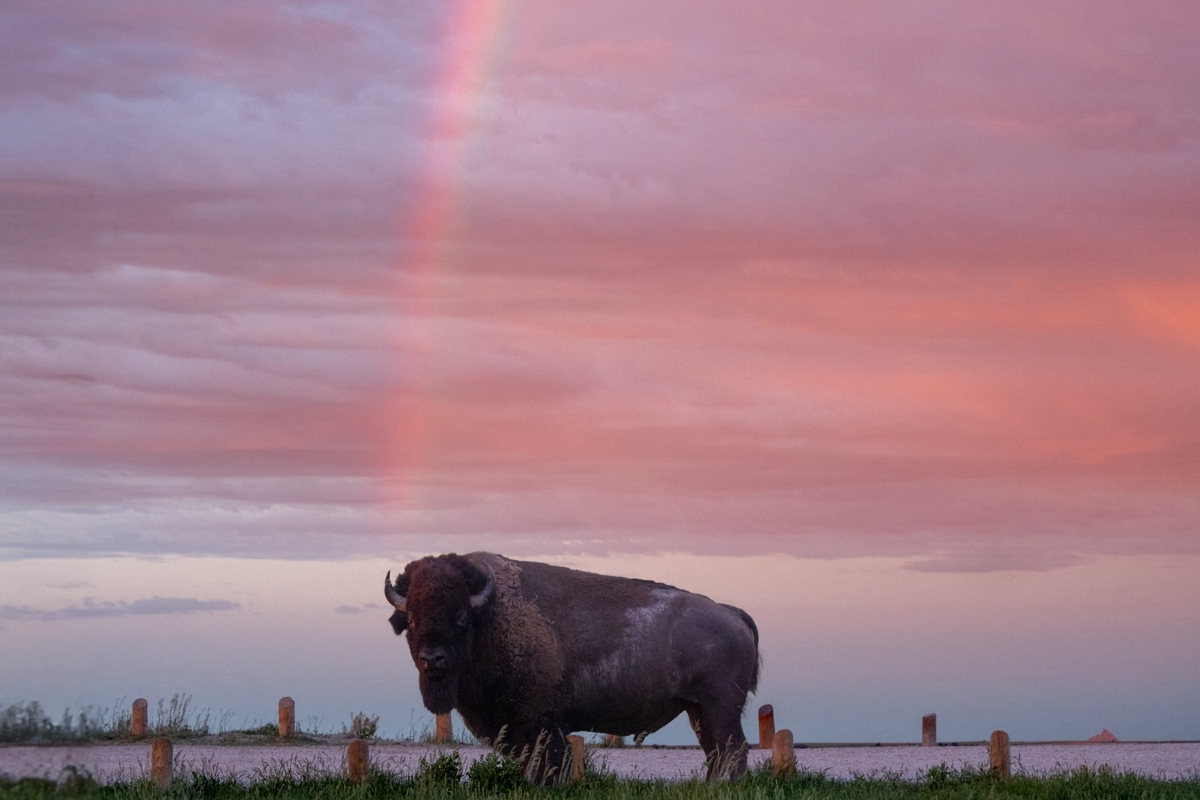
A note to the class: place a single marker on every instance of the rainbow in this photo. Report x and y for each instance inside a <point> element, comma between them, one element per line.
<point>473,42</point>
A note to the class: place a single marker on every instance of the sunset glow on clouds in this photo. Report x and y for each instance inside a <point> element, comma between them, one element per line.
<point>917,279</point>
<point>909,281</point>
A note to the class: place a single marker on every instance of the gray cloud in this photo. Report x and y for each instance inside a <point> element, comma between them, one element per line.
<point>91,609</point>
<point>344,609</point>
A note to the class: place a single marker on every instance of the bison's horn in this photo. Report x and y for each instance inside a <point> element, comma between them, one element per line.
<point>485,594</point>
<point>393,597</point>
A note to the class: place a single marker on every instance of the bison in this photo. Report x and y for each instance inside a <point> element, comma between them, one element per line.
<point>529,652</point>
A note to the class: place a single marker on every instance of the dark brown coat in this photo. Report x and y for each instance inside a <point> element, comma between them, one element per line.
<point>528,653</point>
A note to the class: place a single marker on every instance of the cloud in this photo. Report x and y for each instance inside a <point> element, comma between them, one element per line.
<point>120,608</point>
<point>784,410</point>
<point>344,609</point>
<point>879,279</point>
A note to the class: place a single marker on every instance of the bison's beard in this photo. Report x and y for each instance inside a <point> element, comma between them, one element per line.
<point>440,695</point>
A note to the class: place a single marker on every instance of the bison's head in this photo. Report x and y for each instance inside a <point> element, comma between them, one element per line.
<point>438,600</point>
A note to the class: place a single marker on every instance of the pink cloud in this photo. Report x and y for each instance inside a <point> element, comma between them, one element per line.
<point>826,280</point>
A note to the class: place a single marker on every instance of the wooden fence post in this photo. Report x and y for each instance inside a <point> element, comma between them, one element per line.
<point>929,730</point>
<point>137,721</point>
<point>162,760</point>
<point>287,717</point>
<point>612,740</point>
<point>443,729</point>
<point>783,753</point>
<point>766,727</point>
<point>1000,753</point>
<point>358,760</point>
<point>577,754</point>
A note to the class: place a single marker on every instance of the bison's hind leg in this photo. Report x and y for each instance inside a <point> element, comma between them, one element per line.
<point>722,740</point>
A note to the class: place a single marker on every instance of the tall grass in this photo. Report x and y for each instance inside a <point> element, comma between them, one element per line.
<point>499,776</point>
<point>28,723</point>
<point>176,718</point>
<point>443,779</point>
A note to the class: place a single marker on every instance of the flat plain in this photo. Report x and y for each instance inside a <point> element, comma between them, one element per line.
<point>109,763</point>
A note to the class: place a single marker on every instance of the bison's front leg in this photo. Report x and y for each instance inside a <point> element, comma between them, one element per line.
<point>545,755</point>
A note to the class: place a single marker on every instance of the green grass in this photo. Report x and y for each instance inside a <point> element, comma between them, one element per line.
<point>22,723</point>
<point>28,723</point>
<point>496,777</point>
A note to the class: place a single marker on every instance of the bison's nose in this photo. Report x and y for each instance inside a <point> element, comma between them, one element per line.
<point>433,659</point>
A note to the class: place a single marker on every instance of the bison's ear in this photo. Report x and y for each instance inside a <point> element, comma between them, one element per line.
<point>481,582</point>
<point>399,622</point>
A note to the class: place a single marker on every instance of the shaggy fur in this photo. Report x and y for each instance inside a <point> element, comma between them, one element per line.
<point>555,650</point>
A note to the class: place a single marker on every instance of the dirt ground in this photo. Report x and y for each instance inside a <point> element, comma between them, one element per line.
<point>111,762</point>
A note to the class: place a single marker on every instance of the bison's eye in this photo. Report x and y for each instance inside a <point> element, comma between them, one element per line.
<point>461,622</point>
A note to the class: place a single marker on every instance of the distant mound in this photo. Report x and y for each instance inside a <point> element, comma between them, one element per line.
<point>1103,737</point>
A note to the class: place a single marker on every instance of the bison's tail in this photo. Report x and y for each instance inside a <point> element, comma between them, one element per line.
<point>746,618</point>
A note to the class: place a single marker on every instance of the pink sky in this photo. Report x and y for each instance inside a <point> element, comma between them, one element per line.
<point>852,279</point>
<point>898,300</point>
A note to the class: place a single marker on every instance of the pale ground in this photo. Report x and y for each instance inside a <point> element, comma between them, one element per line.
<point>112,762</point>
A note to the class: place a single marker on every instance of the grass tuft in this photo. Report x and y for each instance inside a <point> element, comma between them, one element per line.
<point>445,770</point>
<point>176,719</point>
<point>495,774</point>
<point>361,726</point>
<point>28,723</point>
